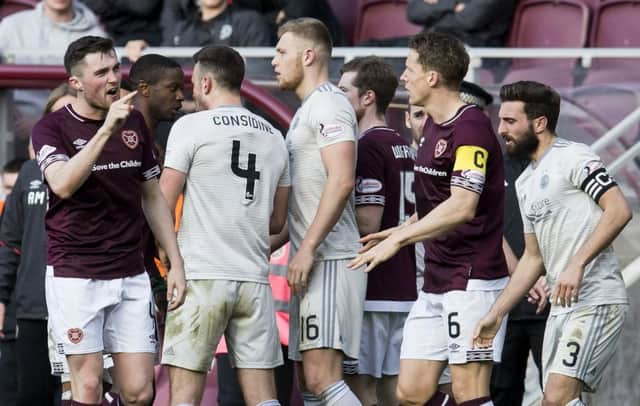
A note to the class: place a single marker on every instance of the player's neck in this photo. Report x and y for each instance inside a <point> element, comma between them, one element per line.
<point>546,141</point>
<point>443,106</point>
<point>311,80</point>
<point>146,114</point>
<point>208,13</point>
<point>84,109</point>
<point>370,120</point>
<point>223,98</point>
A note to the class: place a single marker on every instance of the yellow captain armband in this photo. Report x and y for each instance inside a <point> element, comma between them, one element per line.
<point>471,157</point>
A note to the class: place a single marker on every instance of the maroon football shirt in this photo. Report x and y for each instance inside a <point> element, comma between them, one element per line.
<point>462,152</point>
<point>384,176</point>
<point>96,233</point>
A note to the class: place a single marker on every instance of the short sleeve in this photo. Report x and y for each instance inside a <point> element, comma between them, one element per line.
<point>332,119</point>
<point>285,177</point>
<point>588,173</point>
<point>527,226</point>
<point>150,168</point>
<point>180,149</point>
<point>370,187</point>
<point>48,144</point>
<point>471,156</point>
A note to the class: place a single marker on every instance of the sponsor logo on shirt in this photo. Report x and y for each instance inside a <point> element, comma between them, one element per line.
<point>79,143</point>
<point>539,210</point>
<point>441,146</point>
<point>130,138</point>
<point>429,171</point>
<point>116,165</point>
<point>35,184</point>
<point>368,185</point>
<point>331,130</point>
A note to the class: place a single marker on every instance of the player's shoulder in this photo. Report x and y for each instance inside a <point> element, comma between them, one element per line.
<point>327,96</point>
<point>52,120</point>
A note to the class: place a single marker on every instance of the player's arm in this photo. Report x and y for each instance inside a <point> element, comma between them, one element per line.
<point>339,162</point>
<point>616,213</point>
<point>279,213</point>
<point>529,269</point>
<point>66,176</point>
<point>160,221</point>
<point>172,185</point>
<point>512,260</point>
<point>369,218</point>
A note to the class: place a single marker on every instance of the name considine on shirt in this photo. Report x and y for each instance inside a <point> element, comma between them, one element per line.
<point>242,120</point>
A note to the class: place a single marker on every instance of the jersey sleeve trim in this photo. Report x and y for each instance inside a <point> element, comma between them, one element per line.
<point>151,173</point>
<point>365,200</point>
<point>45,163</point>
<point>597,183</point>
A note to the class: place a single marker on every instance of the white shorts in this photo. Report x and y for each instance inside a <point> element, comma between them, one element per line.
<point>242,311</point>
<point>380,343</point>
<point>440,327</point>
<point>581,343</point>
<point>92,315</point>
<point>329,315</point>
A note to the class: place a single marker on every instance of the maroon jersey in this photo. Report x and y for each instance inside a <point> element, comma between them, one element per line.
<point>384,176</point>
<point>462,152</point>
<point>96,232</point>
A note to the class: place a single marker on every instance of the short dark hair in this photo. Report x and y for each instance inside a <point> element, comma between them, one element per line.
<point>373,73</point>
<point>14,165</point>
<point>310,29</point>
<point>539,100</point>
<point>224,63</point>
<point>78,49</point>
<point>150,69</point>
<point>444,54</point>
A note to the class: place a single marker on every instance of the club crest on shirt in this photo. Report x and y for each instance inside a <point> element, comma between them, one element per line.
<point>130,139</point>
<point>75,335</point>
<point>441,146</point>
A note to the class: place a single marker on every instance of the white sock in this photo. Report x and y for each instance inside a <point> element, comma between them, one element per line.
<point>270,402</point>
<point>66,395</point>
<point>576,402</point>
<point>339,394</point>
<point>309,399</point>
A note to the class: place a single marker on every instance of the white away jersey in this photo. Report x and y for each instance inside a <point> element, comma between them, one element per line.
<point>558,201</point>
<point>234,161</point>
<point>325,118</point>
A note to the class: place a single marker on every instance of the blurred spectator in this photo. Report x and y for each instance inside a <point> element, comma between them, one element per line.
<point>127,20</point>
<point>278,12</point>
<point>478,23</point>
<point>216,22</point>
<point>50,26</point>
<point>10,174</point>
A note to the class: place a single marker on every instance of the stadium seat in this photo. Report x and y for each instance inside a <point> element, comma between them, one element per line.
<point>346,11</point>
<point>616,24</point>
<point>382,19</point>
<point>8,7</point>
<point>548,24</point>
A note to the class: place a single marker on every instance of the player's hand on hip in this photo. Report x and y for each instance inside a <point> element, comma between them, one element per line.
<point>376,255</point>
<point>567,286</point>
<point>371,240</point>
<point>486,331</point>
<point>299,270</point>
<point>539,294</point>
<point>118,112</point>
<point>2,313</point>
<point>176,287</point>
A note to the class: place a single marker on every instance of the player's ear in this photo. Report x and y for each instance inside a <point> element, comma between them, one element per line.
<point>407,119</point>
<point>74,82</point>
<point>144,88</point>
<point>308,56</point>
<point>433,78</point>
<point>369,97</point>
<point>540,124</point>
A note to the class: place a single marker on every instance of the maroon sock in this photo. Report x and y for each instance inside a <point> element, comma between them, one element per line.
<point>65,402</point>
<point>476,401</point>
<point>441,399</point>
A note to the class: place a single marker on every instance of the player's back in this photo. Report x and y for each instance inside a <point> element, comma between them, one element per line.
<point>385,178</point>
<point>235,161</point>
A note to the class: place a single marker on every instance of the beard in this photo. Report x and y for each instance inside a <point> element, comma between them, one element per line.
<point>292,81</point>
<point>525,146</point>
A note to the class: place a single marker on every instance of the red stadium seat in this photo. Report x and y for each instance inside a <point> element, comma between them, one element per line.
<point>8,7</point>
<point>346,11</point>
<point>381,19</point>
<point>616,24</point>
<point>549,24</point>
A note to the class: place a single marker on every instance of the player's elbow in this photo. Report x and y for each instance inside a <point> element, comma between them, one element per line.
<point>63,191</point>
<point>277,224</point>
